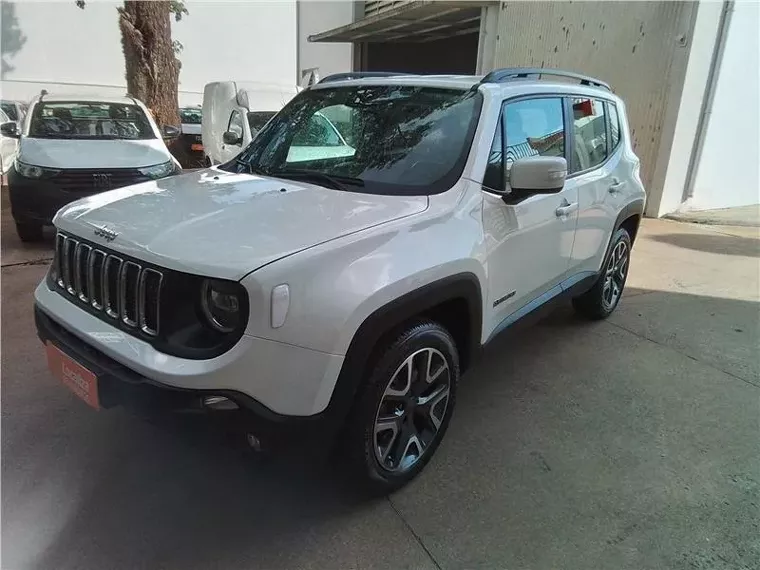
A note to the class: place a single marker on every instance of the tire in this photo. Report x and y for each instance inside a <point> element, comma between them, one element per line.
<point>601,300</point>
<point>409,436</point>
<point>29,231</point>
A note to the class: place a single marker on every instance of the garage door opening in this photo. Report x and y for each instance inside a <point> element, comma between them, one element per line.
<point>414,37</point>
<point>450,55</point>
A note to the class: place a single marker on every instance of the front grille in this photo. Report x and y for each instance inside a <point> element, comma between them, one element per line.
<point>123,290</point>
<point>100,180</point>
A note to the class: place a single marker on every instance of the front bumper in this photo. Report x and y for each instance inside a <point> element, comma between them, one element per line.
<point>37,201</point>
<point>289,380</point>
<point>119,386</point>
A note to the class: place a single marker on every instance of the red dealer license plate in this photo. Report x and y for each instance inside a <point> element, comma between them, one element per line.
<point>76,377</point>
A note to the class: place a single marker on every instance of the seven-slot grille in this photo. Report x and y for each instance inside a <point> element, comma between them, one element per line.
<point>121,289</point>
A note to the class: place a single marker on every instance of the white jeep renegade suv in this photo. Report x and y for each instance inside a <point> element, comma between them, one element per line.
<point>321,285</point>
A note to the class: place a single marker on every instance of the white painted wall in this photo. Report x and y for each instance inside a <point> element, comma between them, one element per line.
<point>674,159</point>
<point>316,16</point>
<point>56,46</point>
<point>728,172</point>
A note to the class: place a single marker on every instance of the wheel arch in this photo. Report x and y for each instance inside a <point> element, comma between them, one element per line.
<point>630,218</point>
<point>445,301</point>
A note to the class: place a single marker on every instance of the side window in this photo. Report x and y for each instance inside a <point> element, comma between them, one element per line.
<point>236,124</point>
<point>494,176</point>
<point>534,127</point>
<point>614,126</point>
<point>589,133</point>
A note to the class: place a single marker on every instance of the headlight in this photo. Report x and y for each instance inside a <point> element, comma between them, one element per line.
<point>31,171</point>
<point>221,305</point>
<point>159,170</point>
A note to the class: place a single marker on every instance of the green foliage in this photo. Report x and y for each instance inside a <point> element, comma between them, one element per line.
<point>176,7</point>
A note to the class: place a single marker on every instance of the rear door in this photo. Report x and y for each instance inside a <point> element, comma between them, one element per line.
<point>529,242</point>
<point>596,153</point>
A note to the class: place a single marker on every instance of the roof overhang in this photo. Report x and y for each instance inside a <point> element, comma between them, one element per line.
<point>418,21</point>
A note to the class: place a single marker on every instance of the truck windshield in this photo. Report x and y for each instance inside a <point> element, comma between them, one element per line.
<point>89,120</point>
<point>391,139</point>
<point>10,110</point>
<point>190,115</point>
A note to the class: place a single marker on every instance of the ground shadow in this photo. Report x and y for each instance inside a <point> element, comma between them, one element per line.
<point>712,243</point>
<point>172,495</point>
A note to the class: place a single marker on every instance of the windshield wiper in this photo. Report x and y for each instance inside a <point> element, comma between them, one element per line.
<point>334,181</point>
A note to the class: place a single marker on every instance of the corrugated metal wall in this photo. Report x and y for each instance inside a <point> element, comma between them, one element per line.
<point>372,7</point>
<point>637,47</point>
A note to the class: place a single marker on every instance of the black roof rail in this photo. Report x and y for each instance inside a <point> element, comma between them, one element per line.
<point>510,73</point>
<point>359,75</point>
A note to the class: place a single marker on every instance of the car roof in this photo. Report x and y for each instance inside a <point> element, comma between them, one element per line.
<point>452,81</point>
<point>85,98</point>
<point>510,88</point>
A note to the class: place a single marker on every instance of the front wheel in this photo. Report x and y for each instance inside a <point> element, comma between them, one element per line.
<point>599,301</point>
<point>404,408</point>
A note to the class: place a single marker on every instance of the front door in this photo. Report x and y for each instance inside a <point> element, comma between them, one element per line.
<point>529,243</point>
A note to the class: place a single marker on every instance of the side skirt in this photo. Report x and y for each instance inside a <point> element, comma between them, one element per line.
<point>538,307</point>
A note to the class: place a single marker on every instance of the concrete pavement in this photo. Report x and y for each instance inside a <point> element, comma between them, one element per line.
<point>631,443</point>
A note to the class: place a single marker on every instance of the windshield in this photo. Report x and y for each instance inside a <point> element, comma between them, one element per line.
<point>10,110</point>
<point>257,120</point>
<point>190,115</point>
<point>392,139</point>
<point>88,120</point>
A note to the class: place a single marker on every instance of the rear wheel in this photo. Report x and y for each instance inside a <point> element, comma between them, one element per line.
<point>403,412</point>
<point>29,231</point>
<point>599,301</point>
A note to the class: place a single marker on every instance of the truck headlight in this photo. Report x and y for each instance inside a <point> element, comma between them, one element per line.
<point>221,304</point>
<point>159,170</point>
<point>32,171</point>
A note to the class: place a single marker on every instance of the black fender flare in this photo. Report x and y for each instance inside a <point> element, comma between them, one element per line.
<point>458,286</point>
<point>634,208</point>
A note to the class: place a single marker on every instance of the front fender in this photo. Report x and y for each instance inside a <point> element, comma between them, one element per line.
<point>336,286</point>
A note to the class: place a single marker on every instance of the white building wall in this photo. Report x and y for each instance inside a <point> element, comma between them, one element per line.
<point>315,16</point>
<point>57,46</point>
<point>675,159</point>
<point>727,174</point>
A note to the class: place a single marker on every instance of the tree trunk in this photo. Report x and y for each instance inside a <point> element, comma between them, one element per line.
<point>152,69</point>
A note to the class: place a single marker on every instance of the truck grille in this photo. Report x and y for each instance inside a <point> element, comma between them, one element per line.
<point>101,180</point>
<point>120,289</point>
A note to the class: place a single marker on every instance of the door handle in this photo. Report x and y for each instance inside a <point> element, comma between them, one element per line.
<point>616,186</point>
<point>565,210</point>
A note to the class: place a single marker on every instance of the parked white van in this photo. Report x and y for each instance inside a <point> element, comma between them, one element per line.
<point>234,111</point>
<point>71,147</point>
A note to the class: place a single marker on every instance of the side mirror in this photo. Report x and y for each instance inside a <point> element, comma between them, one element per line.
<point>170,132</point>
<point>232,138</point>
<point>537,175</point>
<point>10,130</point>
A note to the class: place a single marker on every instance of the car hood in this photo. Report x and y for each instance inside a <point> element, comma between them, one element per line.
<point>219,224</point>
<point>71,153</point>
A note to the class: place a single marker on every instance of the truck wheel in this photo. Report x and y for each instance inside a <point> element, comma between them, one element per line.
<point>402,413</point>
<point>29,231</point>
<point>599,301</point>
